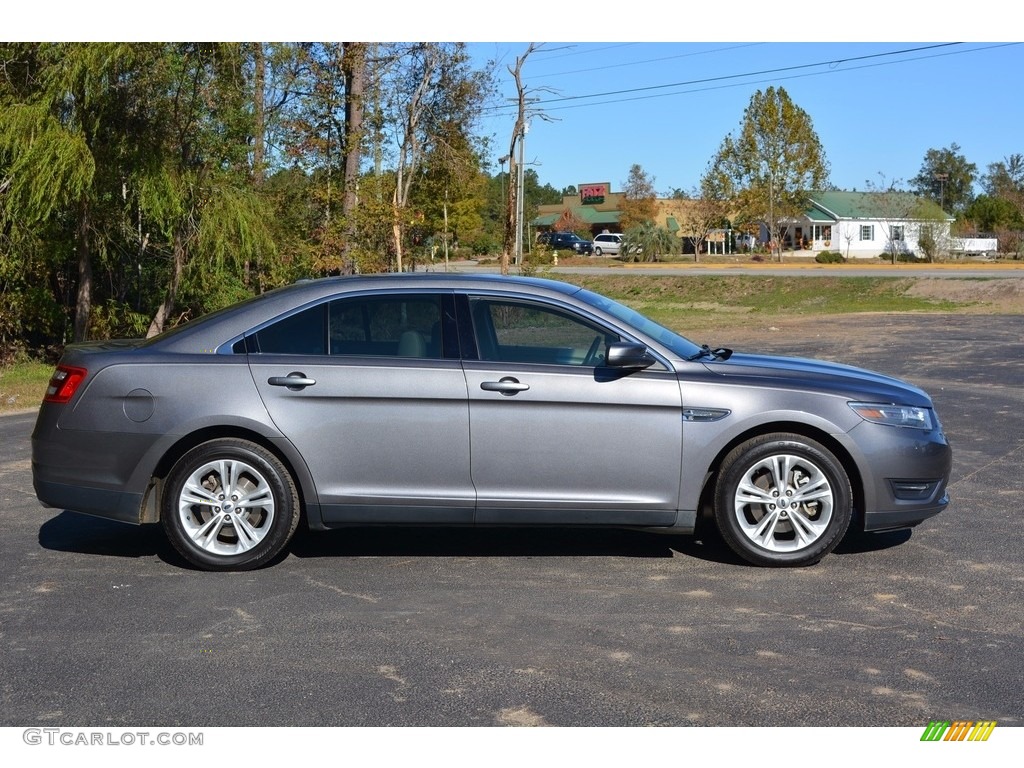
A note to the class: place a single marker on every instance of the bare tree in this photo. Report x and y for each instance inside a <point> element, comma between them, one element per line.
<point>708,210</point>
<point>427,86</point>
<point>893,207</point>
<point>524,113</point>
<point>848,235</point>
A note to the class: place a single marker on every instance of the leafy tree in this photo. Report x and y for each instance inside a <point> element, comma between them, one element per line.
<point>708,211</point>
<point>1005,181</point>
<point>71,116</point>
<point>535,193</point>
<point>198,199</point>
<point>639,200</point>
<point>451,195</point>
<point>773,163</point>
<point>946,178</point>
<point>987,214</point>
<point>427,89</point>
<point>648,242</point>
<point>568,221</point>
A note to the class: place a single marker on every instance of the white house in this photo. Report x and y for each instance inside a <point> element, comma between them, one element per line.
<point>869,224</point>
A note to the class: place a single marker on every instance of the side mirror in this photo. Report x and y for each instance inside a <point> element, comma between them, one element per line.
<point>625,354</point>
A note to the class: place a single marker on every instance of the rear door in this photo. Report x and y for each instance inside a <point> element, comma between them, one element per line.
<point>370,390</point>
<point>556,437</point>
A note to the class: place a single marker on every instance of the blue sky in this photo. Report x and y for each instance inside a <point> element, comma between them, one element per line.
<point>876,115</point>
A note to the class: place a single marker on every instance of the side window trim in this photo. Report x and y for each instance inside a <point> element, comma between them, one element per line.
<point>449,348</point>
<point>480,320</point>
<point>467,331</point>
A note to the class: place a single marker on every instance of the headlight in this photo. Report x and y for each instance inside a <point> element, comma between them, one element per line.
<point>895,415</point>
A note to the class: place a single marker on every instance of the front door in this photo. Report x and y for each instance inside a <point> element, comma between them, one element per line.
<point>557,437</point>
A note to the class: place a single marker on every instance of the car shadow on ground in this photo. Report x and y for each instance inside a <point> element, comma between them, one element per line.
<point>74,532</point>
<point>480,542</point>
<point>858,542</point>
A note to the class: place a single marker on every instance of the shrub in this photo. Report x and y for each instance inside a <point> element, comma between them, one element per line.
<point>481,244</point>
<point>539,256</point>
<point>829,257</point>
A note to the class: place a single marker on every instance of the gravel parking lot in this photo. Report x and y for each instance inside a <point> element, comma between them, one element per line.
<point>102,624</point>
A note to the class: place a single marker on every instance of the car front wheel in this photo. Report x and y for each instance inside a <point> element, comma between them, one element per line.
<point>782,500</point>
<point>597,251</point>
<point>229,505</point>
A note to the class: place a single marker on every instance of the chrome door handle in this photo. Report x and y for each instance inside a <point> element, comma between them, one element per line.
<point>507,386</point>
<point>295,381</point>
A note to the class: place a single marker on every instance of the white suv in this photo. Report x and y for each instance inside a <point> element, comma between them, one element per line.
<point>607,244</point>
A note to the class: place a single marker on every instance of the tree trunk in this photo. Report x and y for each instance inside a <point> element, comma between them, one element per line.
<point>354,69</point>
<point>260,115</point>
<point>396,230</point>
<point>511,212</point>
<point>163,312</point>
<point>259,133</point>
<point>83,303</point>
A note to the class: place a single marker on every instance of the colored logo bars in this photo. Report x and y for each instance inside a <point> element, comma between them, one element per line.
<point>959,730</point>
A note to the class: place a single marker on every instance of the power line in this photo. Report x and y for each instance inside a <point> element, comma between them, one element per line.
<point>831,63</point>
<point>643,61</point>
<point>766,80</point>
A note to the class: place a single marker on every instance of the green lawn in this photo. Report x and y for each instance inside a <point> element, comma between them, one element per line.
<point>22,385</point>
<point>729,301</point>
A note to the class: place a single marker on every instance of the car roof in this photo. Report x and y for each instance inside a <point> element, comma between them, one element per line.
<point>210,331</point>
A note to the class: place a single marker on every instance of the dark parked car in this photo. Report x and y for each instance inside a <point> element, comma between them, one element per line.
<point>475,400</point>
<point>565,241</point>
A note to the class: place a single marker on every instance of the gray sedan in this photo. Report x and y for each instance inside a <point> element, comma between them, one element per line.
<point>475,400</point>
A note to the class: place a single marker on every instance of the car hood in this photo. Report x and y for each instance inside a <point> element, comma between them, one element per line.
<point>821,375</point>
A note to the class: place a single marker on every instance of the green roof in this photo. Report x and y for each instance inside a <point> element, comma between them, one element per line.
<point>833,205</point>
<point>586,214</point>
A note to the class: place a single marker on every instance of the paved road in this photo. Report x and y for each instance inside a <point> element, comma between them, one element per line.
<point>103,625</point>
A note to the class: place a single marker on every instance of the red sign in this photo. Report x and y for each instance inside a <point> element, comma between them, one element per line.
<point>593,194</point>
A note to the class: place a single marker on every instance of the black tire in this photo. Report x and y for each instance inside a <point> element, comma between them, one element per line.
<point>202,519</point>
<point>597,251</point>
<point>782,500</point>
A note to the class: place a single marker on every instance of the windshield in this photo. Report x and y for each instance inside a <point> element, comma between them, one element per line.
<point>680,345</point>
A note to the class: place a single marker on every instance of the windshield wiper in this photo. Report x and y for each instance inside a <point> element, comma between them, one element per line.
<point>721,353</point>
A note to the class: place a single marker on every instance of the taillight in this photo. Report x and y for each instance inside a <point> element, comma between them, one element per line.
<point>64,383</point>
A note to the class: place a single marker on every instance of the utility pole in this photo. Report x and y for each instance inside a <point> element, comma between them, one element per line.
<point>942,178</point>
<point>519,197</point>
<point>512,243</point>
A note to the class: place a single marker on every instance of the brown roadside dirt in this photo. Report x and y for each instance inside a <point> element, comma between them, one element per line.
<point>973,297</point>
<point>1002,296</point>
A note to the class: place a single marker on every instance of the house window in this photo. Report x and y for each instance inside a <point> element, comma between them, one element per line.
<point>867,232</point>
<point>897,233</point>
<point>822,231</point>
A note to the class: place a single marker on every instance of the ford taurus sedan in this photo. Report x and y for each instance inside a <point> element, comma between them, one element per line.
<point>475,401</point>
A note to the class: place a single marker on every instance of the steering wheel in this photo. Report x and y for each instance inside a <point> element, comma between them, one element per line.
<point>592,357</point>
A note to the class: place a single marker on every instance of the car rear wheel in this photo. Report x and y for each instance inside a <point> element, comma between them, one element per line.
<point>597,251</point>
<point>229,505</point>
<point>782,500</point>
